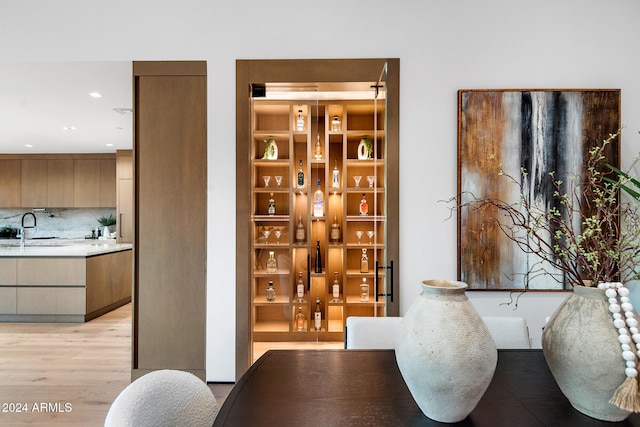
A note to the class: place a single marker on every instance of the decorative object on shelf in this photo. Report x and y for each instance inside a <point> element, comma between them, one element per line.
<point>447,366</point>
<point>318,202</point>
<point>300,232</point>
<point>335,124</point>
<point>271,292</point>
<point>300,288</point>
<point>335,175</point>
<point>317,316</point>
<point>542,160</point>
<point>364,206</point>
<point>271,149</point>
<point>364,290</point>
<point>272,265</point>
<point>335,230</point>
<point>582,348</point>
<point>365,149</point>
<point>108,222</point>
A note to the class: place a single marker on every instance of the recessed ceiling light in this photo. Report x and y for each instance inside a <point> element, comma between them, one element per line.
<point>95,95</point>
<point>28,145</point>
<point>70,128</point>
<point>109,145</point>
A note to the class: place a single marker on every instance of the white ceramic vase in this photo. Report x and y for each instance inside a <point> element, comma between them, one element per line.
<point>582,351</point>
<point>445,352</point>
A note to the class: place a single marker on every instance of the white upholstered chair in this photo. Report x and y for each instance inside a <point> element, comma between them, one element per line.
<point>380,332</point>
<point>164,398</point>
<point>371,332</point>
<point>508,332</point>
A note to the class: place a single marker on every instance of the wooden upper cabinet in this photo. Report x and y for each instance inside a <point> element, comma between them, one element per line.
<point>108,183</point>
<point>10,183</point>
<point>60,183</point>
<point>86,183</point>
<point>34,183</point>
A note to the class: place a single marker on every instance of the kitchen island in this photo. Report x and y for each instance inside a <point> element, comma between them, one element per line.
<point>63,280</point>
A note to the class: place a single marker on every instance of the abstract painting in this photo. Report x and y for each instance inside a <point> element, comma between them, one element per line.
<point>540,131</point>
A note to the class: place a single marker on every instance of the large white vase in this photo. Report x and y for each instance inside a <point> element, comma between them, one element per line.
<point>445,352</point>
<point>582,350</point>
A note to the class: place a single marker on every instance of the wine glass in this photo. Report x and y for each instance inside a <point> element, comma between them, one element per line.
<point>357,179</point>
<point>277,232</point>
<point>266,232</point>
<point>370,233</point>
<point>359,234</point>
<point>371,179</point>
<point>278,180</point>
<point>266,179</point>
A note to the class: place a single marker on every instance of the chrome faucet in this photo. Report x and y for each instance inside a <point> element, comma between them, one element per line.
<point>22,229</point>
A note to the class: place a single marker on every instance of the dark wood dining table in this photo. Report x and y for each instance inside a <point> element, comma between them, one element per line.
<point>365,388</point>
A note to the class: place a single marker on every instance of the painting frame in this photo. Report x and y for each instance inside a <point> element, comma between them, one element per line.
<point>511,130</point>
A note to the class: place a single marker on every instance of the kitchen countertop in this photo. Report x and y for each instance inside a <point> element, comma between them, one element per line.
<point>60,247</point>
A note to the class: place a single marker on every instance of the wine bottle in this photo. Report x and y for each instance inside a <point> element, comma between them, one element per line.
<point>300,230</point>
<point>335,230</point>
<point>364,290</point>
<point>318,149</point>
<point>300,176</point>
<point>336,287</point>
<point>300,288</point>
<point>271,292</point>
<point>272,266</point>
<point>271,210</point>
<point>335,124</point>
<point>299,320</point>
<point>335,175</point>
<point>364,206</point>
<point>318,202</point>
<point>318,264</point>
<point>300,121</point>
<point>317,316</point>
<point>364,262</point>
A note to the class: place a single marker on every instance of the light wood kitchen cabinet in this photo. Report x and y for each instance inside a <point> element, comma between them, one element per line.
<point>86,183</point>
<point>11,179</point>
<point>107,183</point>
<point>124,191</point>
<point>34,183</point>
<point>59,183</point>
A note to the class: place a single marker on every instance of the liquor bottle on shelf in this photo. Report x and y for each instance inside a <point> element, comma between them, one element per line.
<point>299,320</point>
<point>335,175</point>
<point>300,175</point>
<point>271,292</point>
<point>335,124</point>
<point>318,264</point>
<point>364,261</point>
<point>271,210</point>
<point>317,316</point>
<point>335,290</point>
<point>318,202</point>
<point>364,290</point>
<point>335,230</point>
<point>364,206</point>
<point>272,266</point>
<point>300,230</point>
<point>300,288</point>
<point>300,121</point>
<point>317,154</point>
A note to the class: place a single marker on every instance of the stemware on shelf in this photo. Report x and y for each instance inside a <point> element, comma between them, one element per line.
<point>357,179</point>
<point>278,180</point>
<point>266,232</point>
<point>359,234</point>
<point>371,179</point>
<point>370,233</point>
<point>266,179</point>
<point>277,232</point>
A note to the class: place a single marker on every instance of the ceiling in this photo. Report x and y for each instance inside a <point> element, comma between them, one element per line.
<point>41,103</point>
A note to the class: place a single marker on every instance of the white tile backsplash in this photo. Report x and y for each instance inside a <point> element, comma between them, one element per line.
<point>71,223</point>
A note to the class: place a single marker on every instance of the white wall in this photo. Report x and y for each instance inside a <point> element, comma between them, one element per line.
<point>443,46</point>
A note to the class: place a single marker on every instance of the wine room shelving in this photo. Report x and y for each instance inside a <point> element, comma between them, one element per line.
<point>276,119</point>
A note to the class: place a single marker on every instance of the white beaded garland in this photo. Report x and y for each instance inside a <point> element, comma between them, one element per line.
<point>627,327</point>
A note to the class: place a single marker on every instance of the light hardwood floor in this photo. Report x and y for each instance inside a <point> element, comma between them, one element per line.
<point>63,374</point>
